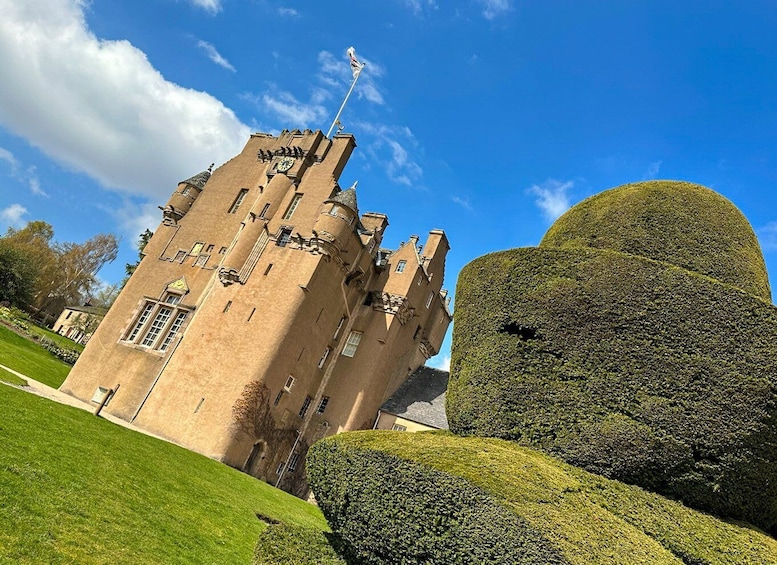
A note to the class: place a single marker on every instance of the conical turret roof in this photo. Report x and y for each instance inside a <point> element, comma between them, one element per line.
<point>198,180</point>
<point>347,198</point>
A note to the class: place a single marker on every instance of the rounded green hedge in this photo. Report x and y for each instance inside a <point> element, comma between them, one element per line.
<point>677,222</point>
<point>435,498</point>
<point>628,367</point>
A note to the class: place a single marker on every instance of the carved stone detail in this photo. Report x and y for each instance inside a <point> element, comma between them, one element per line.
<point>228,276</point>
<point>395,304</point>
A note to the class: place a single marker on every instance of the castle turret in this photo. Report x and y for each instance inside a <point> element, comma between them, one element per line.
<point>182,199</point>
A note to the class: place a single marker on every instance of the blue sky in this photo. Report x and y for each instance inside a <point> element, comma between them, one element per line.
<point>487,118</point>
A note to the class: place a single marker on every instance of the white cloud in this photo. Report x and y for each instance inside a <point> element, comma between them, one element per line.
<point>13,215</point>
<point>212,6</point>
<point>387,146</point>
<point>284,109</point>
<point>443,363</point>
<point>552,197</point>
<point>494,8</point>
<point>214,55</point>
<point>417,6</point>
<point>100,107</point>
<point>767,236</point>
<point>134,218</point>
<point>463,202</point>
<point>336,71</point>
<point>288,12</point>
<point>652,170</point>
<point>28,177</point>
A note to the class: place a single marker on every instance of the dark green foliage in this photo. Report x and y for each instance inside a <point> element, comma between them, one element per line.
<point>284,544</point>
<point>400,498</point>
<point>681,223</point>
<point>387,510</point>
<point>628,367</point>
<point>17,276</point>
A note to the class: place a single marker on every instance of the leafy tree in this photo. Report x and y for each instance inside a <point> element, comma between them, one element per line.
<point>129,268</point>
<point>17,276</point>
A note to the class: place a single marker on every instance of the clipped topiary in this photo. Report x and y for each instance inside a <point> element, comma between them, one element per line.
<point>681,223</point>
<point>629,367</point>
<point>438,499</point>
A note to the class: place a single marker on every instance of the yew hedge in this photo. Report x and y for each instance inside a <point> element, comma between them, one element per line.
<point>625,366</point>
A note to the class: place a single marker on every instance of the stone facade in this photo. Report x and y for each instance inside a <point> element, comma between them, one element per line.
<point>265,315</point>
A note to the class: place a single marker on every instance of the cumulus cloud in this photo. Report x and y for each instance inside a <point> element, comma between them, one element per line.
<point>13,215</point>
<point>284,109</point>
<point>492,9</point>
<point>28,176</point>
<point>100,107</point>
<point>212,6</point>
<point>552,197</point>
<point>214,55</point>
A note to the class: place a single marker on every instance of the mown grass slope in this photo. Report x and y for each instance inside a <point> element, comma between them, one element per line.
<point>78,489</point>
<point>29,358</point>
<point>386,493</point>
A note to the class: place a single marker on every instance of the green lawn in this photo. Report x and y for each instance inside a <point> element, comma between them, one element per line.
<point>60,340</point>
<point>10,378</point>
<point>79,489</point>
<point>29,358</point>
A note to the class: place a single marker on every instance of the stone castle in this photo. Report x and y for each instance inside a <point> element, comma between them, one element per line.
<point>265,315</point>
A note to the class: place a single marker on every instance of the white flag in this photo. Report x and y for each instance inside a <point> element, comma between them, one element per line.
<point>356,66</point>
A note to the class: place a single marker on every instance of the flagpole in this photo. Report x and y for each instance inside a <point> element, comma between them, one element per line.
<point>340,111</point>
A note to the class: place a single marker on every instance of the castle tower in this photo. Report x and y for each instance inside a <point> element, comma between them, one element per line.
<point>265,315</point>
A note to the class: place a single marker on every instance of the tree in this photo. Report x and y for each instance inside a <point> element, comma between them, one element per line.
<point>129,268</point>
<point>17,276</point>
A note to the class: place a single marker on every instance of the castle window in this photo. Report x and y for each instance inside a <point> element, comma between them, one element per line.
<point>305,406</point>
<point>68,315</point>
<point>401,266</point>
<point>197,248</point>
<point>324,357</point>
<point>159,323</point>
<point>263,213</point>
<point>289,384</point>
<point>292,207</point>
<point>201,260</point>
<point>322,405</point>
<point>210,248</point>
<point>227,307</point>
<point>238,200</point>
<point>429,300</point>
<point>173,331</point>
<point>339,327</point>
<point>278,398</point>
<point>180,256</point>
<point>293,462</point>
<point>185,191</point>
<point>284,237</point>
<point>352,343</point>
<point>222,250</point>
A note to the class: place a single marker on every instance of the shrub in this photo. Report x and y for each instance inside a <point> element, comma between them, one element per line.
<point>65,354</point>
<point>431,498</point>
<point>632,368</point>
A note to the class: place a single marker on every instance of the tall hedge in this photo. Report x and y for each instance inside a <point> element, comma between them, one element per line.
<point>628,367</point>
<point>400,498</point>
<point>681,223</point>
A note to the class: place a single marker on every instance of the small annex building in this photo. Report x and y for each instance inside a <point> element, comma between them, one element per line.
<point>418,405</point>
<point>266,313</point>
<point>79,322</point>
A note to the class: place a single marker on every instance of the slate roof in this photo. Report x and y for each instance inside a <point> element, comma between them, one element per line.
<point>421,398</point>
<point>198,180</point>
<point>347,198</point>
